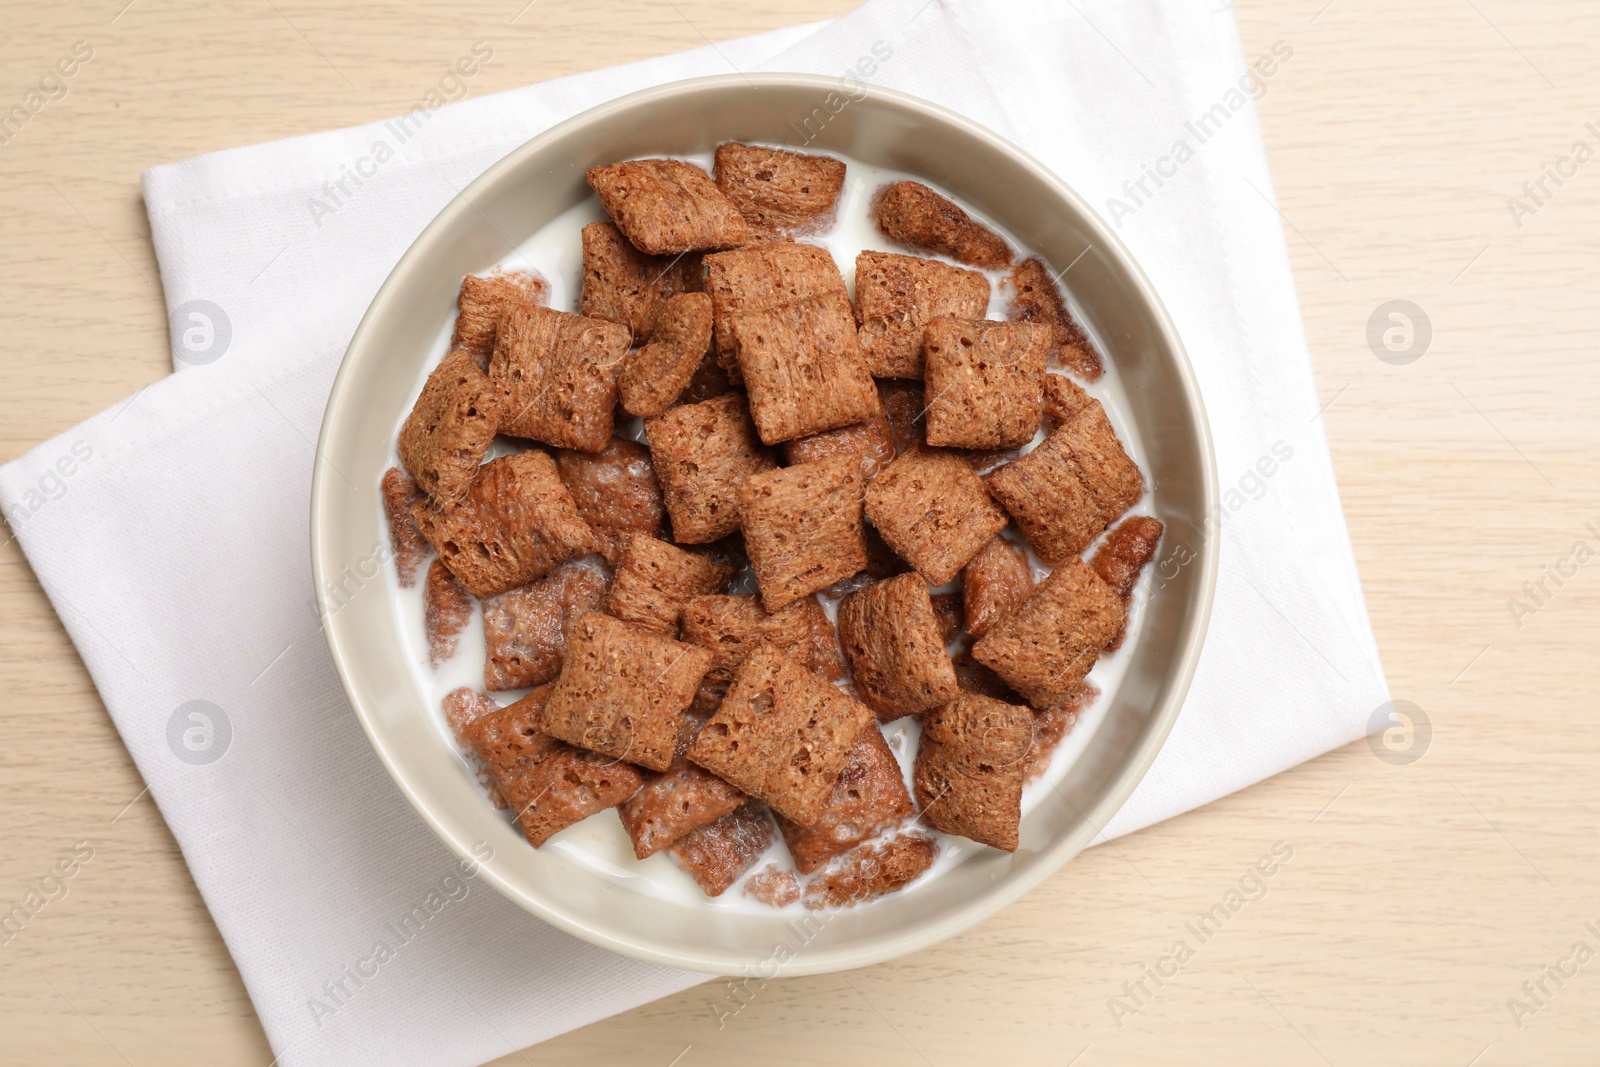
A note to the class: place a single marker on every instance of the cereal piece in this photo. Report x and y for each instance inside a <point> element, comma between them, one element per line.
<point>773,887</point>
<point>558,375</point>
<point>870,442</point>
<point>623,285</point>
<point>1036,298</point>
<point>1114,480</point>
<point>405,540</point>
<point>654,579</point>
<point>969,767</point>
<point>933,511</point>
<point>803,368</point>
<point>732,626</point>
<point>764,276</point>
<point>616,492</point>
<point>673,804</point>
<point>1063,397</point>
<point>897,296</point>
<point>1045,494</point>
<point>450,427</point>
<point>951,615</point>
<point>1125,551</point>
<point>1122,556</point>
<point>782,735</point>
<point>666,206</point>
<point>905,404</point>
<point>802,527</point>
<point>778,191</point>
<point>463,707</point>
<point>895,649</point>
<point>525,631</point>
<point>993,583</point>
<point>656,375</point>
<point>1051,725</point>
<point>716,855</point>
<point>826,657</point>
<point>1045,647</point>
<point>1071,487</point>
<point>446,609</point>
<point>548,785</point>
<point>985,383</point>
<point>515,524</point>
<point>869,797</point>
<point>918,217</point>
<point>703,452</point>
<point>623,690</point>
<point>871,871</point>
<point>483,301</point>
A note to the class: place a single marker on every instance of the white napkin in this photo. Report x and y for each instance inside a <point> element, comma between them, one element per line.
<point>170,531</point>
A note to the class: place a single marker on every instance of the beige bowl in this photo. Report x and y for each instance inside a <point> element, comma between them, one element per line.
<point>516,197</point>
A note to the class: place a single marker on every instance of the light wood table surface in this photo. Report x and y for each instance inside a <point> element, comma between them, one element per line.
<point>1419,897</point>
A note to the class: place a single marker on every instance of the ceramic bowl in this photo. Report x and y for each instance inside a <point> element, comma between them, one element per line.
<point>397,341</point>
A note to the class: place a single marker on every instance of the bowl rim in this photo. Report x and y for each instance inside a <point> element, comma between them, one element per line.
<point>817,959</point>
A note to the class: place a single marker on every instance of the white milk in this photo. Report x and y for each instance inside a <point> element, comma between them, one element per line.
<point>599,842</point>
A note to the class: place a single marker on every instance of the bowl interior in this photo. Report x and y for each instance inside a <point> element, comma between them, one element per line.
<point>511,201</point>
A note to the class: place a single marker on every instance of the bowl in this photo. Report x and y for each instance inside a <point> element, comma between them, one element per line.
<point>397,341</point>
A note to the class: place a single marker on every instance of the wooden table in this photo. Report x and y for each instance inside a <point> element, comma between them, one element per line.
<point>1419,898</point>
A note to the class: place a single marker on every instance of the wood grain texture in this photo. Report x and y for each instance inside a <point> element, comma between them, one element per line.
<point>1419,898</point>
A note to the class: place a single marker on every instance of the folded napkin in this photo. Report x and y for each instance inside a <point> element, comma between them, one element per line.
<point>170,531</point>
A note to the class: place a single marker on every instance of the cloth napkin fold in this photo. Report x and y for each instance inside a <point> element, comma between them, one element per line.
<point>170,531</point>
